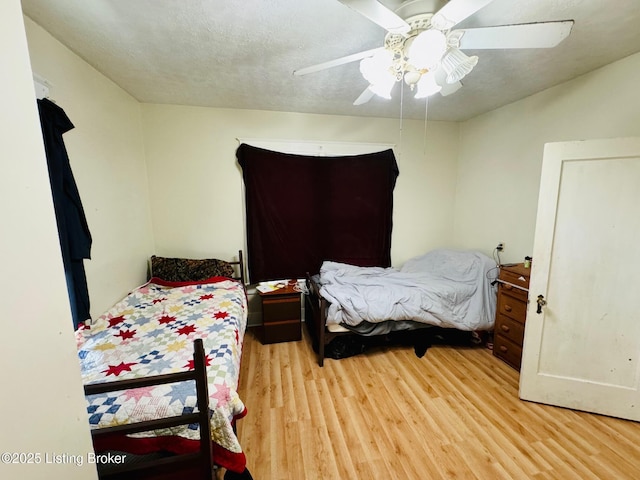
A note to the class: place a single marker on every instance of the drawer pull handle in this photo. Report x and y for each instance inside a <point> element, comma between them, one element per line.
<point>503,348</point>
<point>505,328</point>
<point>507,308</point>
<point>507,286</point>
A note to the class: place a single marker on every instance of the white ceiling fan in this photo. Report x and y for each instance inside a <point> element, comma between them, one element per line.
<point>422,48</point>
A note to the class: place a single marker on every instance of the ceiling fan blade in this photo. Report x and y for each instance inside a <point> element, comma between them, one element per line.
<point>378,13</point>
<point>338,61</point>
<point>364,97</point>
<point>526,35</point>
<point>456,11</point>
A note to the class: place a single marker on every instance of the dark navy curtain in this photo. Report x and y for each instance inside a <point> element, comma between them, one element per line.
<point>75,238</point>
<point>302,210</point>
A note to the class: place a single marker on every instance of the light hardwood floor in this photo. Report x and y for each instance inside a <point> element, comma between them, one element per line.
<point>386,414</point>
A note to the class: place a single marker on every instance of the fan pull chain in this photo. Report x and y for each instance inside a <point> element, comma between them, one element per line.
<point>426,116</point>
<point>401,119</point>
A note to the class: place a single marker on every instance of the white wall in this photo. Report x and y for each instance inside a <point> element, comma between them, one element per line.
<point>196,183</point>
<point>107,157</point>
<point>42,410</point>
<point>501,152</point>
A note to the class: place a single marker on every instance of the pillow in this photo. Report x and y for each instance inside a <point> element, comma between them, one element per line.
<point>189,270</point>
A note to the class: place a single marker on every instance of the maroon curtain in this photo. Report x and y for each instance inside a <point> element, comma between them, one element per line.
<point>302,210</point>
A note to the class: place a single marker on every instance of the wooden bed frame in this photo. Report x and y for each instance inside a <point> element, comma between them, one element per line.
<point>240,264</point>
<point>201,462</point>
<point>315,317</point>
<point>191,465</point>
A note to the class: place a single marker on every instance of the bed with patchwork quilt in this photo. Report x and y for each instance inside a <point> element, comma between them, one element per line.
<point>152,332</point>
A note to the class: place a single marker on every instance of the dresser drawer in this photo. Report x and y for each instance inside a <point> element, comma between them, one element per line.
<point>515,292</point>
<point>509,328</point>
<point>515,278</point>
<point>287,331</point>
<point>512,307</point>
<point>507,350</point>
<point>281,308</point>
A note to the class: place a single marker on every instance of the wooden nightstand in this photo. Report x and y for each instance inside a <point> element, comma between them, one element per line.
<point>281,315</point>
<point>511,313</point>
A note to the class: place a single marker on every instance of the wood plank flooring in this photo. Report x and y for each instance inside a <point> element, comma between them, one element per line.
<point>386,414</point>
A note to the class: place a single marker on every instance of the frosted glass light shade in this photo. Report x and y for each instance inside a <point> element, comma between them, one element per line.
<point>376,66</point>
<point>427,49</point>
<point>383,87</point>
<point>457,65</point>
<point>377,71</point>
<point>427,86</point>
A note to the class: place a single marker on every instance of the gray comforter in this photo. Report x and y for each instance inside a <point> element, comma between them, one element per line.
<point>445,288</point>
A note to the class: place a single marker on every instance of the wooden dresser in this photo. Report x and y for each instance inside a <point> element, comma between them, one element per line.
<point>511,313</point>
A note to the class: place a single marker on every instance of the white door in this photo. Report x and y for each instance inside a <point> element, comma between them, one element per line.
<point>583,350</point>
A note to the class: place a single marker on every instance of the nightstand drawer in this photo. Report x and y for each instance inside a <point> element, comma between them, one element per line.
<point>507,350</point>
<point>281,308</point>
<point>510,329</point>
<point>287,331</point>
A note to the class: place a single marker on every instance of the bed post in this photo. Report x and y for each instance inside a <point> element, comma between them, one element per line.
<point>322,326</point>
<point>241,264</point>
<point>202,390</point>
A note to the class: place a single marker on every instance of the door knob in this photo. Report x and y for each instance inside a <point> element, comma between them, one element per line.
<point>541,303</point>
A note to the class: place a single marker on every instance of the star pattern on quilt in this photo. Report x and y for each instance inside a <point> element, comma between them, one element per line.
<point>126,334</point>
<point>142,321</point>
<point>137,393</point>
<point>225,304</point>
<point>116,320</point>
<point>191,363</point>
<point>179,391</point>
<point>222,393</point>
<point>151,332</point>
<point>166,319</point>
<point>176,346</point>
<point>161,365</point>
<point>118,369</point>
<point>186,330</point>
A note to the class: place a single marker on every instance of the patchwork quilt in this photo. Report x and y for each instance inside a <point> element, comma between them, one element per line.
<point>151,332</point>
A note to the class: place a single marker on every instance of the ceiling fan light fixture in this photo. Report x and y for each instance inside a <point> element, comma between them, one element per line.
<point>383,89</point>
<point>426,49</point>
<point>377,71</point>
<point>457,65</point>
<point>441,22</point>
<point>427,86</point>
<point>412,77</point>
<point>377,66</point>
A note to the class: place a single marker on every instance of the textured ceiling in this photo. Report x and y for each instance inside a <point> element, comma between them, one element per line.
<point>236,54</point>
